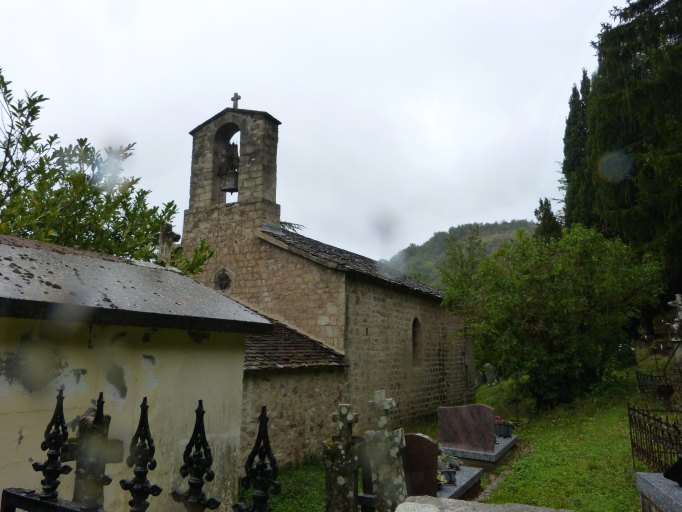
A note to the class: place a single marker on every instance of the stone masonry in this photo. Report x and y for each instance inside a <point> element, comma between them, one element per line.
<point>392,330</point>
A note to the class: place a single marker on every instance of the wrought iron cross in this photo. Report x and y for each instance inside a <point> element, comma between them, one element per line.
<point>235,100</point>
<point>55,443</point>
<point>142,457</point>
<point>92,451</point>
<point>197,460</point>
<point>258,475</point>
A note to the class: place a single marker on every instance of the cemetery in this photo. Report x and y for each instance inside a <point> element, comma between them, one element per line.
<point>243,366</point>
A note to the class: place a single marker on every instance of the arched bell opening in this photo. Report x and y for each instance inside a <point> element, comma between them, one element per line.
<point>226,151</point>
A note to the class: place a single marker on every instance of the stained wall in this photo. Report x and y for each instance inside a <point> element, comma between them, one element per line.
<point>173,368</point>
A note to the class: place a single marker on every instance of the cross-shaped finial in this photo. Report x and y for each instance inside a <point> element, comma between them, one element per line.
<point>344,420</point>
<point>382,405</point>
<point>235,100</point>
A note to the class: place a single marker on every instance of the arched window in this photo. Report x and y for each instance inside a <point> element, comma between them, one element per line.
<point>416,342</point>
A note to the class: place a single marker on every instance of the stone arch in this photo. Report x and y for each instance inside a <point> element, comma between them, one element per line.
<point>223,160</point>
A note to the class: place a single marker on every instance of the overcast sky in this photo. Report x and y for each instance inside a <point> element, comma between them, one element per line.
<point>399,118</point>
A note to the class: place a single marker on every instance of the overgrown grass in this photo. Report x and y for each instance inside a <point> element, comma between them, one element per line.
<point>576,456</point>
<point>302,489</point>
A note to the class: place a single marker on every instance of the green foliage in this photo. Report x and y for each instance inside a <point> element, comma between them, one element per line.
<point>577,175</point>
<point>462,259</point>
<point>548,225</point>
<point>633,148</point>
<point>552,313</point>
<point>73,195</point>
<point>195,263</point>
<point>424,261</point>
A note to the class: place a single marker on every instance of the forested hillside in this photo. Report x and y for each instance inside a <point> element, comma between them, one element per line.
<point>423,261</point>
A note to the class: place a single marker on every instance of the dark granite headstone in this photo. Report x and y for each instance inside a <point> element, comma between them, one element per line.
<point>674,472</point>
<point>420,461</point>
<point>467,427</point>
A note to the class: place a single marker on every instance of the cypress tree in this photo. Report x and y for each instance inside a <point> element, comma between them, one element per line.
<point>577,175</point>
<point>634,130</point>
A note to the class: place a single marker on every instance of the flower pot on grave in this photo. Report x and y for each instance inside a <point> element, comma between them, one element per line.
<point>450,475</point>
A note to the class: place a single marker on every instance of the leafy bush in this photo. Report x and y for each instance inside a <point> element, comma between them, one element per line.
<point>552,313</point>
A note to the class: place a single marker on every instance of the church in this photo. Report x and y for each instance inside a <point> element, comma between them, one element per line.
<point>344,325</point>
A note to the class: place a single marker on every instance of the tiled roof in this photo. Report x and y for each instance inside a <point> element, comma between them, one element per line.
<point>287,348</point>
<point>42,280</point>
<point>349,262</point>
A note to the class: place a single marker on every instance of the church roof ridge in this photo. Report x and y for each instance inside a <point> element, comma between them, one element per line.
<point>349,261</point>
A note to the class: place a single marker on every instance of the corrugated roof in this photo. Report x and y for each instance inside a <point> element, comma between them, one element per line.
<point>287,348</point>
<point>41,280</point>
<point>349,262</point>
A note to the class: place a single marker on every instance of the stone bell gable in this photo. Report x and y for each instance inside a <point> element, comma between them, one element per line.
<point>255,164</point>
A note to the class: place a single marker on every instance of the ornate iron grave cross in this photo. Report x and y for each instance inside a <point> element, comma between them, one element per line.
<point>92,451</point>
<point>142,457</point>
<point>258,475</point>
<point>197,460</point>
<point>235,100</point>
<point>56,435</point>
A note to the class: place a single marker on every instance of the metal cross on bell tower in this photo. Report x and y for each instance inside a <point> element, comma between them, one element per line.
<point>235,100</point>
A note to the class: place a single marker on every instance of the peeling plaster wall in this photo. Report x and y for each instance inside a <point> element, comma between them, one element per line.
<point>172,368</point>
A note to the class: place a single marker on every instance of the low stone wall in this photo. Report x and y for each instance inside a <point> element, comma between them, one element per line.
<point>658,493</point>
<point>300,403</point>
<point>429,504</point>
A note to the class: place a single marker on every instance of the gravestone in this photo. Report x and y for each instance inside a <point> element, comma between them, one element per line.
<point>92,451</point>
<point>341,463</point>
<point>467,427</point>
<point>420,461</point>
<point>384,449</point>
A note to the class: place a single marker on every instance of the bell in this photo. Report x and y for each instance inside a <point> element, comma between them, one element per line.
<point>231,184</point>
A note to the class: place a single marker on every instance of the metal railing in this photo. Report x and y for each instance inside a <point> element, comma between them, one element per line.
<point>91,451</point>
<point>655,441</point>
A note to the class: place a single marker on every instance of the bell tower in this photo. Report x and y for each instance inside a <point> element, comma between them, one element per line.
<point>222,167</point>
<point>232,193</point>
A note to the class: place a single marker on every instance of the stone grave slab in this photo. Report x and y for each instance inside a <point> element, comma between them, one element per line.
<point>468,432</point>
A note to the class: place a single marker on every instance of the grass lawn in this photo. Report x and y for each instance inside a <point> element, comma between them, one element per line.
<point>576,456</point>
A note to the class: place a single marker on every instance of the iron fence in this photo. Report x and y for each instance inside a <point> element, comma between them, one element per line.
<point>91,451</point>
<point>655,441</point>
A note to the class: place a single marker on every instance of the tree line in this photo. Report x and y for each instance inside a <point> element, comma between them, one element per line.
<point>557,310</point>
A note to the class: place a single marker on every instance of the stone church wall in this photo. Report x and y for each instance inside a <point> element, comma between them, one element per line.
<point>439,370</point>
<point>272,280</point>
<point>299,402</point>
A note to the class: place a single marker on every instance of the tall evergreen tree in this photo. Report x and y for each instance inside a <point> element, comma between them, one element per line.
<point>634,130</point>
<point>577,175</point>
<point>548,225</point>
